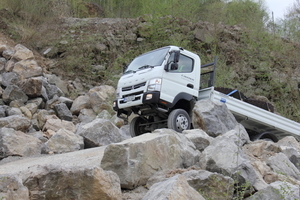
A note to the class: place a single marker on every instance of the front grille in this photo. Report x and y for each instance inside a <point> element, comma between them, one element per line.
<point>128,88</point>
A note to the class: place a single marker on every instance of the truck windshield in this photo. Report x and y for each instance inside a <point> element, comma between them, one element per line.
<point>151,59</point>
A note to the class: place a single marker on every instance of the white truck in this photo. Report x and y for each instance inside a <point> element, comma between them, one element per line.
<point>162,86</point>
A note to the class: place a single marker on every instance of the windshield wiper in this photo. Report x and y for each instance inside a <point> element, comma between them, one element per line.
<point>145,67</point>
<point>128,72</point>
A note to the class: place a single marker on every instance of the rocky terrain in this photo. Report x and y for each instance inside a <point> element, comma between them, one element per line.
<point>54,147</point>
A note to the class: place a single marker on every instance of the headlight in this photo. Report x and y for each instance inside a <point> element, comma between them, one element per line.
<point>154,84</point>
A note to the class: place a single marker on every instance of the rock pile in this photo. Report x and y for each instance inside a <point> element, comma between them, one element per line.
<point>43,135</point>
<point>36,117</point>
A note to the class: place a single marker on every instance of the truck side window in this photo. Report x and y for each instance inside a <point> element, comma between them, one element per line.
<point>185,64</point>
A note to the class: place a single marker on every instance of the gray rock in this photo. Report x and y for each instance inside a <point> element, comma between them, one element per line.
<point>136,160</point>
<point>13,111</point>
<point>13,92</point>
<point>210,185</point>
<point>173,188</point>
<point>226,157</point>
<point>12,188</point>
<point>86,116</point>
<point>16,122</point>
<point>58,182</point>
<point>281,164</point>
<point>18,143</point>
<point>3,110</point>
<point>99,132</point>
<point>10,78</point>
<point>99,96</point>
<point>64,141</point>
<point>200,139</point>
<point>28,69</point>
<point>63,112</point>
<point>80,103</point>
<point>214,118</point>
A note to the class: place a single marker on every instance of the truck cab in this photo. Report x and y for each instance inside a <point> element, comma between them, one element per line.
<point>160,87</point>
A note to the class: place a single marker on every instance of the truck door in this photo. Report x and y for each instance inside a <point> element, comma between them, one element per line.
<point>180,80</point>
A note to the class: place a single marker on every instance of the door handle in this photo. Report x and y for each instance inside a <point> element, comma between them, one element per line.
<point>190,85</point>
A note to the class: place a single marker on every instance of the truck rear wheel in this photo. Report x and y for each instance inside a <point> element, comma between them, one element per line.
<point>135,126</point>
<point>179,120</point>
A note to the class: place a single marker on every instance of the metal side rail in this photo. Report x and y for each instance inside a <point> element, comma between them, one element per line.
<point>252,117</point>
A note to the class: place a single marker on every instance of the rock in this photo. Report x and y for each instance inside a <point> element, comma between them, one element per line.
<point>16,122</point>
<point>80,103</point>
<point>277,191</point>
<point>54,124</point>
<point>86,115</point>
<point>281,164</point>
<point>210,185</point>
<point>32,87</point>
<point>200,139</point>
<point>12,93</point>
<point>17,143</point>
<point>63,112</point>
<point>173,188</point>
<point>117,121</point>
<point>64,141</point>
<point>12,188</point>
<point>13,111</point>
<point>28,69</point>
<point>55,80</point>
<point>98,97</point>
<point>143,156</point>
<point>226,157</point>
<point>104,114</point>
<point>10,78</point>
<point>22,53</point>
<point>66,101</point>
<point>99,132</point>
<point>52,90</point>
<point>59,182</point>
<point>214,118</point>
<point>3,110</point>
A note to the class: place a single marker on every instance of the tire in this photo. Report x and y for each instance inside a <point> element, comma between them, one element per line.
<point>135,128</point>
<point>179,120</point>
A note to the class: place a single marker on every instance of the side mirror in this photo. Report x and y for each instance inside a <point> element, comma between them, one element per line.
<point>176,56</point>
<point>174,66</point>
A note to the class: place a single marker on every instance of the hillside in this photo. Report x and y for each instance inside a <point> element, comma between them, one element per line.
<point>60,138</point>
<point>92,51</point>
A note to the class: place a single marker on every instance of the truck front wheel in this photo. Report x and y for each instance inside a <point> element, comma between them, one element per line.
<point>179,120</point>
<point>136,128</point>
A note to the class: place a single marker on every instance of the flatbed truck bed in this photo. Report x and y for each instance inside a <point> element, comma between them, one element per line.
<point>252,117</point>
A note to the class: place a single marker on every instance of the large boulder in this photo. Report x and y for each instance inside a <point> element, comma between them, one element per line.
<point>28,69</point>
<point>99,132</point>
<point>12,188</point>
<point>281,164</point>
<point>13,92</point>
<point>59,182</point>
<point>200,139</point>
<point>99,97</point>
<point>22,53</point>
<point>135,160</point>
<point>17,143</point>
<point>16,122</point>
<point>64,141</point>
<point>173,188</point>
<point>214,118</point>
<point>224,155</point>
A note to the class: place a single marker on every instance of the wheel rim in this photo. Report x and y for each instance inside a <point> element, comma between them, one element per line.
<point>181,122</point>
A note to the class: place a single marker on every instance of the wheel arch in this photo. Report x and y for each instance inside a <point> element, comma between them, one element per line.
<point>184,101</point>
